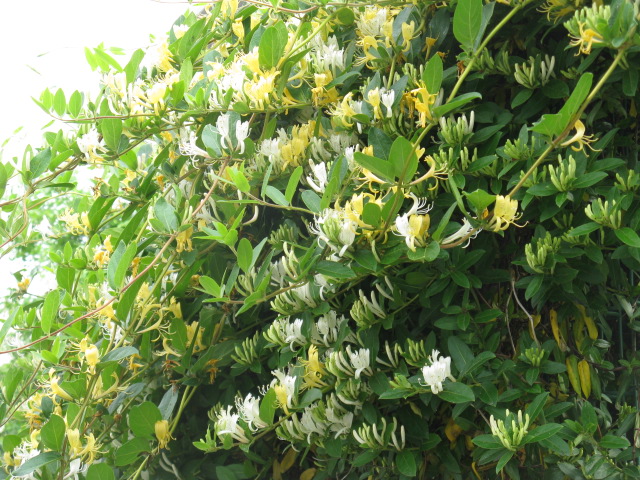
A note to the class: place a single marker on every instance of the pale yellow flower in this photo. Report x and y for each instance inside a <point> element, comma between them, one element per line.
<point>183,240</point>
<point>585,41</point>
<point>162,433</point>
<point>504,213</point>
<point>579,139</point>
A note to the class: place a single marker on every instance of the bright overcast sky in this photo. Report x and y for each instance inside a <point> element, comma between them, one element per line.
<point>43,46</point>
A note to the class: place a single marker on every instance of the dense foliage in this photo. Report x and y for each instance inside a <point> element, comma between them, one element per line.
<point>336,240</point>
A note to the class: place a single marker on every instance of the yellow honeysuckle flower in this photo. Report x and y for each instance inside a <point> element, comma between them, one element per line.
<point>408,29</point>
<point>92,356</point>
<point>585,41</point>
<point>580,139</point>
<point>313,370</point>
<point>24,284</point>
<point>75,225</point>
<point>163,434</point>
<point>504,213</point>
<point>183,240</point>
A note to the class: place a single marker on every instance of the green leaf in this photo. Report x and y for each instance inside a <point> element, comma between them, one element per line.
<point>111,129</point>
<point>311,200</point>
<point>542,432</point>
<point>613,441</point>
<point>276,195</point>
<point>130,451</point>
<point>119,264</point>
<point>364,458</point>
<point>480,200</point>
<point>52,433</point>
<point>553,124</point>
<point>118,354</point>
<point>59,102</point>
<point>536,406</point>
<point>143,418</point>
<point>380,168</point>
<point>588,179</point>
<point>426,254</point>
<point>292,185</point>
<point>404,159</point>
<point>40,163</point>
<point>345,16</point>
<point>456,392</point>
<point>131,69</point>
<point>432,75</point>
<point>49,310</point>
<point>34,463</point>
<point>460,353</point>
<point>166,214</point>
<point>168,402</point>
<point>75,104</point>
<point>406,463</point>
<point>454,104</point>
<point>272,44</point>
<point>210,285</point>
<point>504,459</point>
<point>239,180</point>
<point>489,442</point>
<point>245,254</point>
<point>467,21</point>
<point>334,270</point>
<point>268,406</point>
<point>628,237</point>
<point>585,229</point>
<point>100,471</point>
<point>477,362</point>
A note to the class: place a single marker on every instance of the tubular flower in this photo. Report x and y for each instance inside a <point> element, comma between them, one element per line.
<point>580,139</point>
<point>313,369</point>
<point>587,37</point>
<point>414,224</point>
<point>163,434</point>
<point>436,373</point>
<point>504,213</point>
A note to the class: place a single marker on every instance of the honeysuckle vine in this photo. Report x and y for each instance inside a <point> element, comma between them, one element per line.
<point>334,240</point>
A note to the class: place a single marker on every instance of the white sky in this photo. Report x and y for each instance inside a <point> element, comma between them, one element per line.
<point>43,46</point>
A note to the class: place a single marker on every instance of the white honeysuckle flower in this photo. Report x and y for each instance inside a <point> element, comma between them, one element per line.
<point>318,150</point>
<point>90,144</point>
<point>334,230</point>
<point>293,333</point>
<point>339,418</point>
<point>224,128</point>
<point>413,225</point>
<point>360,361</point>
<point>436,373</point>
<point>371,22</point>
<point>187,145</point>
<point>242,132</point>
<point>249,410</point>
<point>319,183</point>
<point>285,387</point>
<point>76,467</point>
<point>311,424</point>
<point>461,233</point>
<point>387,97</point>
<point>227,423</point>
<point>326,328</point>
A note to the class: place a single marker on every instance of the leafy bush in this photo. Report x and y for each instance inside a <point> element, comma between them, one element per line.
<point>330,240</point>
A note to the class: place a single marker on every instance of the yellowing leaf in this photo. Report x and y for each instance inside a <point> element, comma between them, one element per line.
<point>308,474</point>
<point>572,372</point>
<point>288,460</point>
<point>452,430</point>
<point>557,334</point>
<point>585,377</point>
